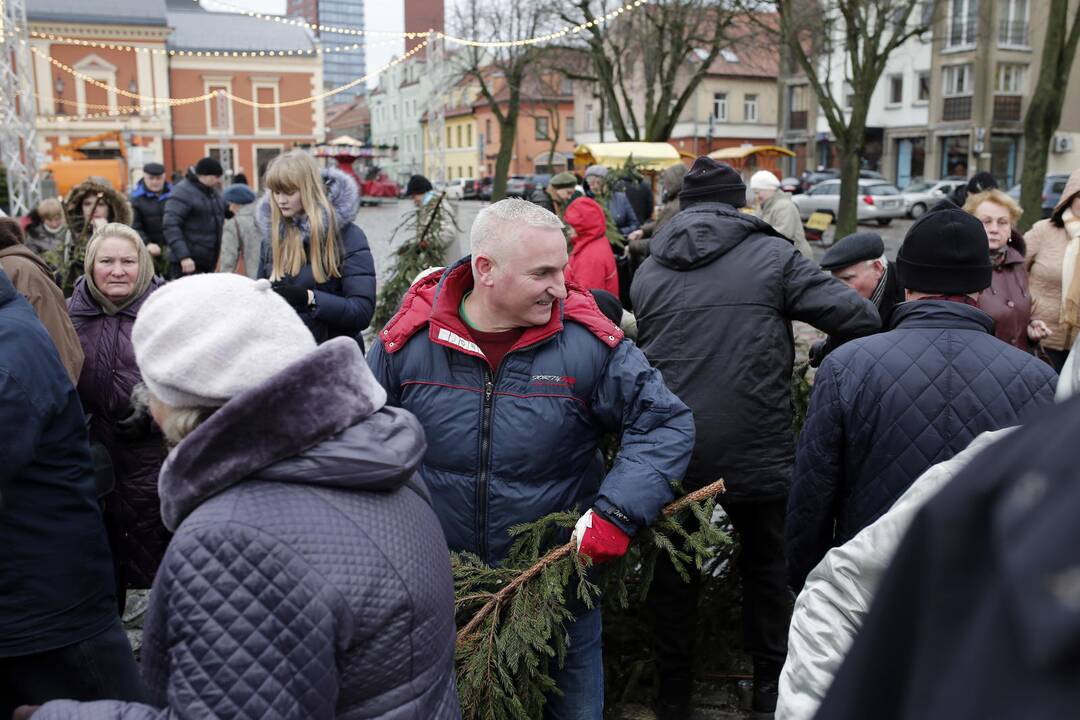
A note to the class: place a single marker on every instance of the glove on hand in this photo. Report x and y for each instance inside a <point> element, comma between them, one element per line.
<point>293,294</point>
<point>817,353</point>
<point>599,539</point>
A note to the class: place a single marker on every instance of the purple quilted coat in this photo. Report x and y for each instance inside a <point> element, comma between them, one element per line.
<point>308,576</point>
<point>132,512</point>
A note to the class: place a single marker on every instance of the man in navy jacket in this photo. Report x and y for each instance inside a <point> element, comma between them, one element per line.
<point>887,407</point>
<point>515,377</point>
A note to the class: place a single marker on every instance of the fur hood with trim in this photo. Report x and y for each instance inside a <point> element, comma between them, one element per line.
<point>118,204</point>
<point>341,191</point>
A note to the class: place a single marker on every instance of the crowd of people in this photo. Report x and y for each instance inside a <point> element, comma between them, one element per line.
<point>188,405</point>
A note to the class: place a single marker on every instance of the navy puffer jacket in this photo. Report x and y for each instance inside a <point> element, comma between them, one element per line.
<point>512,444</point>
<point>343,305</point>
<point>308,577</point>
<point>109,374</point>
<point>887,407</point>
<point>194,219</point>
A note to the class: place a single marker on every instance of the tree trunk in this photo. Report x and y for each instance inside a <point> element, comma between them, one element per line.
<point>847,215</point>
<point>507,138</point>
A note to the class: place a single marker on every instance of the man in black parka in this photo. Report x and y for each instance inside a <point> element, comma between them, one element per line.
<point>714,303</point>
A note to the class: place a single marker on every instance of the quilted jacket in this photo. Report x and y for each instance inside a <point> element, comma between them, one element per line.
<point>887,407</point>
<point>148,209</point>
<point>592,263</point>
<point>108,376</point>
<point>511,444</point>
<point>308,577</point>
<point>194,218</point>
<point>714,303</point>
<point>343,305</point>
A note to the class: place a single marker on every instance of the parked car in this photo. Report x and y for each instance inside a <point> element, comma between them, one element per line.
<point>537,182</point>
<point>461,189</point>
<point>1053,186</point>
<point>516,185</point>
<point>920,197</point>
<point>878,201</point>
<point>810,179</point>
<point>483,188</point>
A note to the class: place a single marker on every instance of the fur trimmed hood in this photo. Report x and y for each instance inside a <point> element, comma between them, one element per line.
<point>320,422</point>
<point>341,191</point>
<point>121,208</point>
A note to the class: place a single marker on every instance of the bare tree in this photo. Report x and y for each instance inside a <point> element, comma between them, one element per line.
<point>500,70</point>
<point>648,63</point>
<point>1044,109</point>
<point>856,38</point>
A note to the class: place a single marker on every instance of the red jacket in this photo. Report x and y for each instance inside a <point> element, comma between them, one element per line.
<point>592,263</point>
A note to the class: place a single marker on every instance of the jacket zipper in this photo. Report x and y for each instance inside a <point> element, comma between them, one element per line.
<point>485,465</point>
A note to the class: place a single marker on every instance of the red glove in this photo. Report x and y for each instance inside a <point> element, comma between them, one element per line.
<point>599,539</point>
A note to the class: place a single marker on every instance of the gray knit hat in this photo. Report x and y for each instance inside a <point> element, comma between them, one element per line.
<point>202,340</point>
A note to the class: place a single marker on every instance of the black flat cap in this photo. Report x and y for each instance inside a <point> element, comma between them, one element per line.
<point>153,168</point>
<point>852,249</point>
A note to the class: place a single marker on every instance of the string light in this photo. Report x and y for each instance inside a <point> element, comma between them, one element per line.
<point>573,30</point>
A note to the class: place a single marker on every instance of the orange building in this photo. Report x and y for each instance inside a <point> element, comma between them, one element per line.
<point>186,52</point>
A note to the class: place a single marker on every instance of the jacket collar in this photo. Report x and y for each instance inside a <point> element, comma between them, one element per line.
<point>317,397</point>
<point>435,299</point>
<point>82,303</point>
<point>940,314</point>
<point>142,191</point>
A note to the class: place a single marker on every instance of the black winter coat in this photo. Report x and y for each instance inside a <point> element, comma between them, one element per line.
<point>885,408</point>
<point>976,617</point>
<point>148,211</point>
<point>194,220</point>
<point>56,578</point>
<point>714,303</point>
<point>891,296</point>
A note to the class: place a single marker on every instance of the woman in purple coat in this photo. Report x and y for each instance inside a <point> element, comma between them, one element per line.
<point>119,276</point>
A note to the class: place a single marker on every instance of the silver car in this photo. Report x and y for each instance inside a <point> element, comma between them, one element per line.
<point>878,201</point>
<point>921,196</point>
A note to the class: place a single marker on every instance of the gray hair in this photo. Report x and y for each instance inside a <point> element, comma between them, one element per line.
<point>179,422</point>
<point>498,222</point>
<point>884,260</point>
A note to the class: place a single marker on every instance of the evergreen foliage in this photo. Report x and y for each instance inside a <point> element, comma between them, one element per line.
<point>430,224</point>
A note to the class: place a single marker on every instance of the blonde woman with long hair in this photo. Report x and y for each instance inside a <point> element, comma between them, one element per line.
<point>313,253</point>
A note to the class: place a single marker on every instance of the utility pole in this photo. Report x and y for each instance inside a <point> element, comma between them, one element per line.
<point>223,127</point>
<point>18,131</point>
<point>439,78</point>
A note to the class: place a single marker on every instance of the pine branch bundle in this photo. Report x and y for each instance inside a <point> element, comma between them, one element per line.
<point>512,617</point>
<point>430,224</point>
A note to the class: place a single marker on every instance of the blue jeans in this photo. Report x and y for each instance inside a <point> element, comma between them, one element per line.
<point>581,678</point>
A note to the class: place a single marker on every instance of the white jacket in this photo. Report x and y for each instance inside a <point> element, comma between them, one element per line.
<point>836,598</point>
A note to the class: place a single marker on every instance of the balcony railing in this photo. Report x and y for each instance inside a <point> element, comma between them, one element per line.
<point>956,108</point>
<point>1013,33</point>
<point>1007,108</point>
<point>962,32</point>
<point>797,120</point>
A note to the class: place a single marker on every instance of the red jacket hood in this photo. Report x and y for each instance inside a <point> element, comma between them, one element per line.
<point>588,220</point>
<point>434,301</point>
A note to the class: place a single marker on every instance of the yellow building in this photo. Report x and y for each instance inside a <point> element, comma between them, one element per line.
<point>462,142</point>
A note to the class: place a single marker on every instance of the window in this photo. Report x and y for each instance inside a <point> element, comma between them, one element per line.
<point>729,56</point>
<point>487,130</point>
<point>449,138</point>
<point>541,128</point>
<point>219,109</point>
<point>468,138</point>
<point>963,22</point>
<point>1010,79</point>
<point>957,80</point>
<point>924,87</point>
<point>719,106</point>
<point>588,118</point>
<point>266,119</point>
<point>459,136</point>
<point>569,127</point>
<point>1013,23</point>
<point>750,108</point>
<point>226,155</point>
<point>849,96</point>
<point>896,89</point>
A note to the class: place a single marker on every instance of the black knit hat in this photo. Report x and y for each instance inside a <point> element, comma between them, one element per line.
<point>945,252</point>
<point>209,166</point>
<point>418,185</point>
<point>713,181</point>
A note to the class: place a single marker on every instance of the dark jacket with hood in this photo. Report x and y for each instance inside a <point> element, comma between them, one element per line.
<point>977,613</point>
<point>714,305</point>
<point>56,579</point>
<point>517,442</point>
<point>308,577</point>
<point>194,219</point>
<point>109,375</point>
<point>149,211</point>
<point>343,305</point>
<point>885,408</point>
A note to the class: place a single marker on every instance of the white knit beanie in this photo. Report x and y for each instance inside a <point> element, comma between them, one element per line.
<point>764,180</point>
<point>202,340</point>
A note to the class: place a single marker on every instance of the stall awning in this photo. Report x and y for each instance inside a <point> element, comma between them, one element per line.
<point>654,156</point>
<point>741,153</point>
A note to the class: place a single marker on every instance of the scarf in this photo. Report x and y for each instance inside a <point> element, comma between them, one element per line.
<point>879,289</point>
<point>1070,273</point>
<point>142,282</point>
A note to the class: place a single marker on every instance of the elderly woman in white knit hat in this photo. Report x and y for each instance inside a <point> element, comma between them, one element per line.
<point>308,576</point>
<point>775,207</point>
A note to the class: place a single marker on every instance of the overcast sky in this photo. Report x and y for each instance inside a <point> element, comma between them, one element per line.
<point>388,15</point>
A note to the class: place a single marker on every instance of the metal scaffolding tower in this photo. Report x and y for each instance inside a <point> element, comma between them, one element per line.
<point>438,71</point>
<point>18,133</point>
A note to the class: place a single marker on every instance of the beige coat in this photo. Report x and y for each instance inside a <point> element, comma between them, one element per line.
<point>1045,253</point>
<point>33,279</point>
<point>780,212</point>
